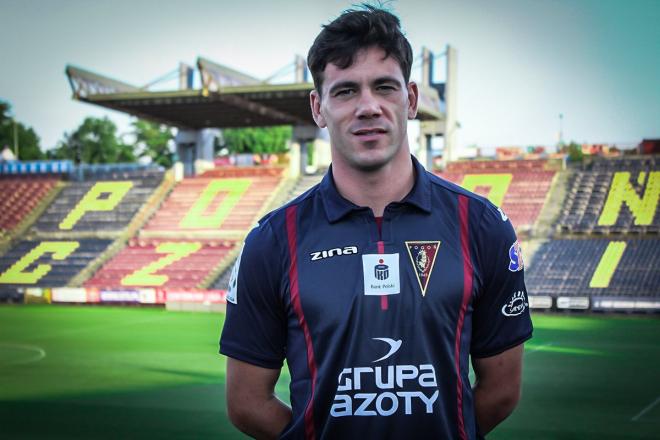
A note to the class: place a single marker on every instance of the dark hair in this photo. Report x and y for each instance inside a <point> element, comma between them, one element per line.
<point>354,30</point>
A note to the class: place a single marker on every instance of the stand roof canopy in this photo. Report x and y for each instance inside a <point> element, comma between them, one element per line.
<point>227,98</point>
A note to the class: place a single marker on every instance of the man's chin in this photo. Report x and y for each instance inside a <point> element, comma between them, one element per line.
<point>371,164</point>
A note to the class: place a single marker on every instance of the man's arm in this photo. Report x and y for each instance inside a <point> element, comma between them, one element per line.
<point>251,402</point>
<point>497,387</point>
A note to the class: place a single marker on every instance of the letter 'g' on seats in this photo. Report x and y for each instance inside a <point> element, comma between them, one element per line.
<point>59,250</point>
<point>92,201</point>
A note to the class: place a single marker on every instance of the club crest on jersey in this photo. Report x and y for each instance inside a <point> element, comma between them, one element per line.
<point>422,256</point>
<point>516,258</point>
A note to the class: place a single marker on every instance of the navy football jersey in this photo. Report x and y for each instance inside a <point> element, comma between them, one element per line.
<point>377,326</point>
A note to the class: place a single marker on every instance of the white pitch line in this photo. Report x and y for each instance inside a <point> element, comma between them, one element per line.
<point>645,410</point>
<point>538,347</point>
<point>40,353</point>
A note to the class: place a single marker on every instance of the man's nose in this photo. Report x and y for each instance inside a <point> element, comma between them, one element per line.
<point>368,105</point>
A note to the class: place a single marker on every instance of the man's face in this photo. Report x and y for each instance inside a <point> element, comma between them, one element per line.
<point>366,108</point>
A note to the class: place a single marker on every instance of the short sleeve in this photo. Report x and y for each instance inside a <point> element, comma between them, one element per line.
<point>501,318</point>
<point>255,325</point>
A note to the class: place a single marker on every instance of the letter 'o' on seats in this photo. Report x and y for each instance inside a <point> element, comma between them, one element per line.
<point>197,216</point>
<point>92,201</point>
<point>60,250</point>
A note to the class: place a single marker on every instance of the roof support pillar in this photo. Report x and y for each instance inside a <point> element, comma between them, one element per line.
<point>195,149</point>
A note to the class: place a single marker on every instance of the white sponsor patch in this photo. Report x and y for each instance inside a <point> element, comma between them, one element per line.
<point>381,274</point>
<point>232,291</point>
<point>503,215</point>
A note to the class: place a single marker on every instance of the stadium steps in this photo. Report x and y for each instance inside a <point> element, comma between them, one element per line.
<point>529,248</point>
<point>553,205</point>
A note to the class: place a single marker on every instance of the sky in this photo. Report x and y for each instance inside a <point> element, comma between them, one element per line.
<point>521,63</point>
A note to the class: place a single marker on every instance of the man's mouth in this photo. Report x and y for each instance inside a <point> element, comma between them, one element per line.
<point>369,131</point>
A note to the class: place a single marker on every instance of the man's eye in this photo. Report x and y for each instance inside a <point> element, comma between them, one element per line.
<point>386,88</point>
<point>344,92</point>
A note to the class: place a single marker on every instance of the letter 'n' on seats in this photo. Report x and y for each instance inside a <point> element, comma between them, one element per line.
<point>199,217</point>
<point>607,265</point>
<point>621,191</point>
<point>16,274</point>
<point>112,192</point>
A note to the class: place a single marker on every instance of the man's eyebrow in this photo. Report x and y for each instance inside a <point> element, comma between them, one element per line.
<point>387,80</point>
<point>343,85</point>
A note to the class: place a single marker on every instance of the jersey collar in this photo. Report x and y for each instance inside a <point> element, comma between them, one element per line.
<point>337,206</point>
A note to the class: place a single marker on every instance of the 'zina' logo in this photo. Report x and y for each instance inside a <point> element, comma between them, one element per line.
<point>347,250</point>
<point>516,305</point>
<point>503,215</point>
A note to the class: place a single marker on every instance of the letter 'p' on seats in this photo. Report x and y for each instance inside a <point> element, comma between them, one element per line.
<point>103,196</point>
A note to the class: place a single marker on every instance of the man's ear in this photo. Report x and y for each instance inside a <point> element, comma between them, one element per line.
<point>413,99</point>
<point>315,104</point>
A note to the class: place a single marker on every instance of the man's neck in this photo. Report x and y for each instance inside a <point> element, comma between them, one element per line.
<point>379,188</point>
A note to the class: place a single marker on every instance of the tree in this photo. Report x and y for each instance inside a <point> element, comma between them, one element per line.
<point>152,140</point>
<point>574,152</point>
<point>257,140</point>
<point>26,138</point>
<point>94,141</point>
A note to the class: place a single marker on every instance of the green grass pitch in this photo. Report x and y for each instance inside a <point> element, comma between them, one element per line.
<point>102,372</point>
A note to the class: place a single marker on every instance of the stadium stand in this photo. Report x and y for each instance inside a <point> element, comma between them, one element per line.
<point>162,263</point>
<point>20,196</point>
<point>519,187</point>
<point>193,236</point>
<point>98,205</point>
<point>617,195</point>
<point>596,267</point>
<point>223,202</point>
<point>32,263</point>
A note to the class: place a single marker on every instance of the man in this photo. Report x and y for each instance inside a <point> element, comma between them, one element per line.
<point>377,284</point>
